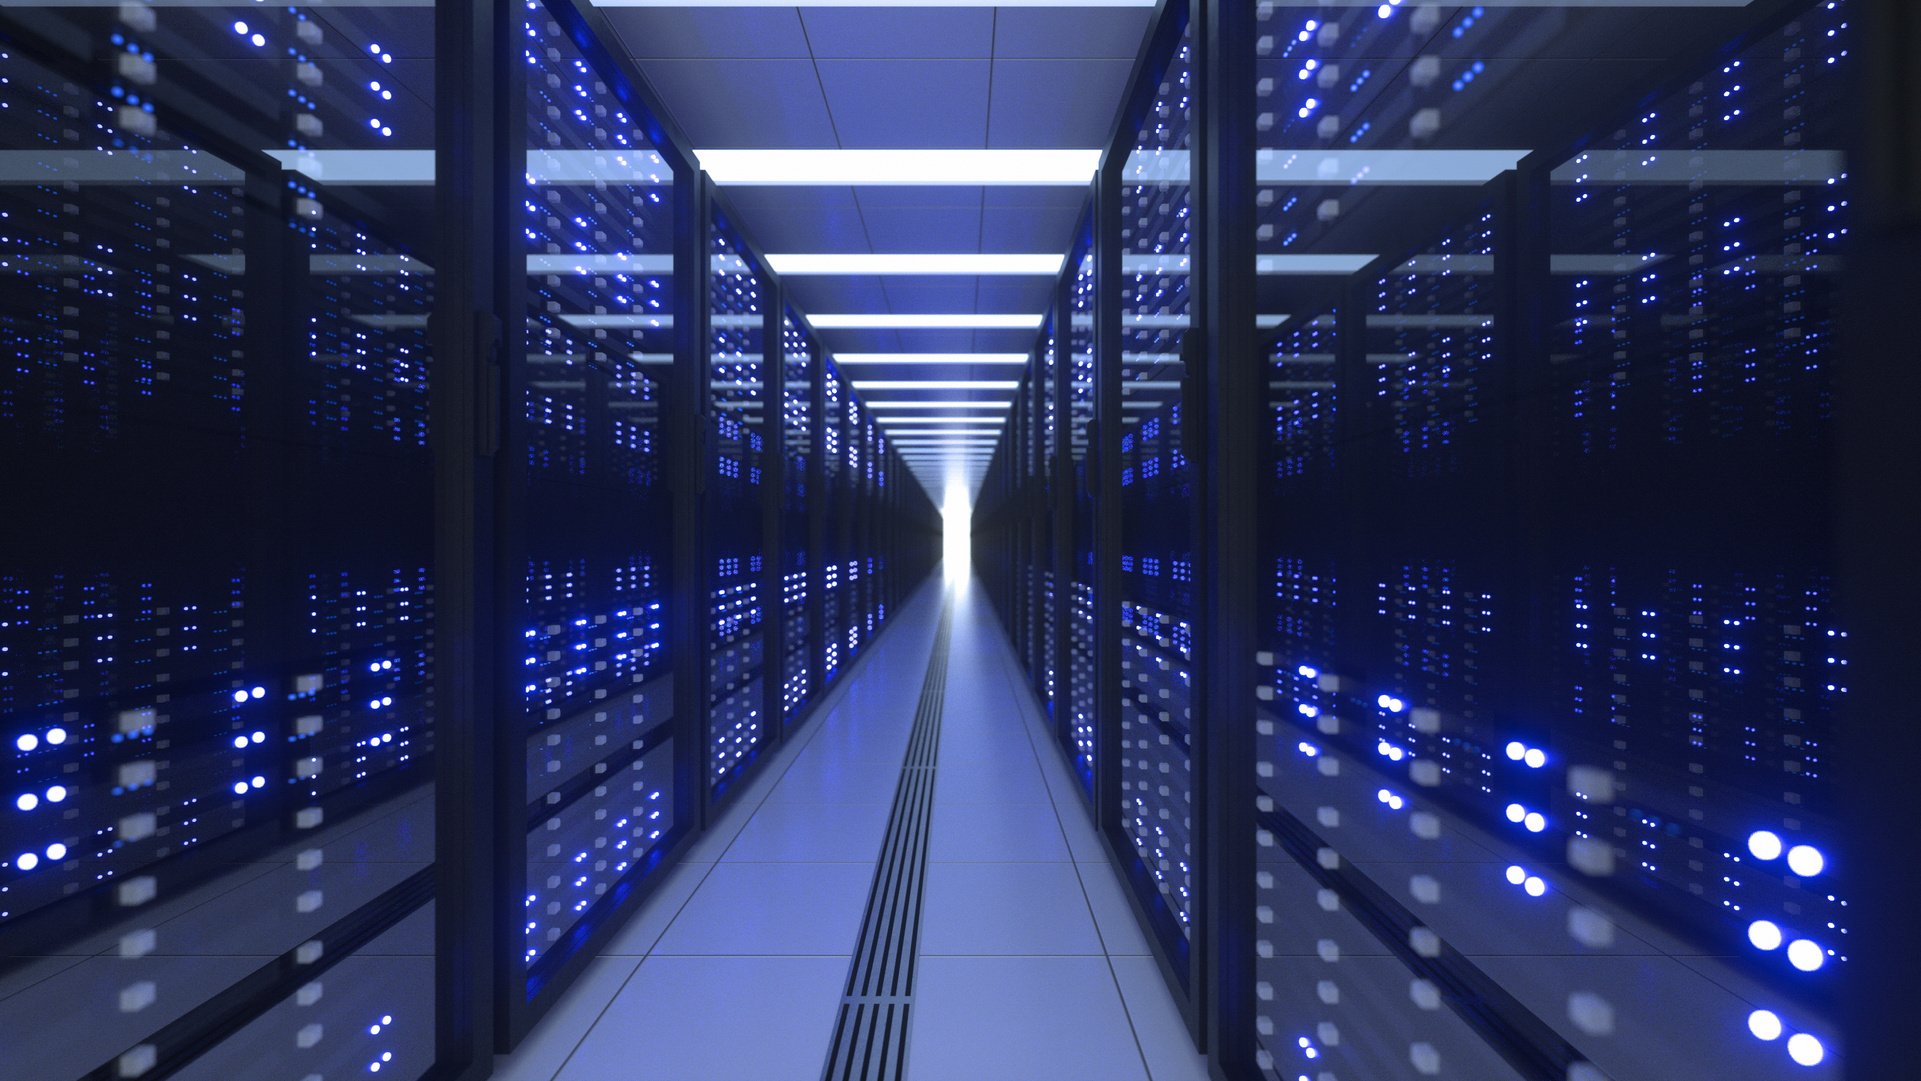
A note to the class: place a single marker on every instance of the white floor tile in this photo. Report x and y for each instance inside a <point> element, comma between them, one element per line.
<point>1006,908</point>
<point>996,833</point>
<point>1020,1019</point>
<point>540,1056</point>
<point>1158,1024</point>
<point>772,908</point>
<point>716,1019</point>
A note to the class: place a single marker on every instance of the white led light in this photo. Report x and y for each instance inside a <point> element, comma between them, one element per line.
<point>1535,758</point>
<point>1806,955</point>
<point>56,793</point>
<point>892,3</point>
<point>1765,934</point>
<point>240,743</point>
<point>955,321</point>
<point>935,384</point>
<point>784,167</point>
<point>1806,860</point>
<point>27,801</point>
<point>930,358</point>
<point>1805,1050</point>
<point>1765,1025</point>
<point>1515,750</point>
<point>793,264</point>
<point>240,788</point>
<point>1535,821</point>
<point>56,851</point>
<point>1516,812</point>
<point>27,861</point>
<point>27,742</point>
<point>1534,886</point>
<point>1764,844</point>
<point>56,736</point>
<point>1516,875</point>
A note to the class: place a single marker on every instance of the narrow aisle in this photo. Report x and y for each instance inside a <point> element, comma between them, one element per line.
<point>734,969</point>
<point>1030,966</point>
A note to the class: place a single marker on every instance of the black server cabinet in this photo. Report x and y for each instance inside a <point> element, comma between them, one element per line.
<point>1553,667</point>
<point>595,751</point>
<point>737,430</point>
<point>217,580</point>
<point>799,545</point>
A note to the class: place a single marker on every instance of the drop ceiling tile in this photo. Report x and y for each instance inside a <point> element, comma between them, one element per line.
<point>1015,294</point>
<point>750,200</point>
<point>923,229</point>
<point>900,34</point>
<point>744,103</point>
<point>835,294</point>
<point>1028,228</point>
<point>1055,103</point>
<point>934,293</point>
<point>1052,196</point>
<point>919,196</point>
<point>907,103</point>
<point>708,32</point>
<point>911,341</point>
<point>1116,33</point>
<point>797,227</point>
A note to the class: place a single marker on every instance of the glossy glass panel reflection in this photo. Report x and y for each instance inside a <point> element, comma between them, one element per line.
<point>736,377</point>
<point>1552,648</point>
<point>1158,509</point>
<point>586,443</point>
<point>216,583</point>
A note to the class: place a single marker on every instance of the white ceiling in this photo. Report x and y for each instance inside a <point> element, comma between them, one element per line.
<point>910,77</point>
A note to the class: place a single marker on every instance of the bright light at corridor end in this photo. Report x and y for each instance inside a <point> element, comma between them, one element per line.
<point>957,530</point>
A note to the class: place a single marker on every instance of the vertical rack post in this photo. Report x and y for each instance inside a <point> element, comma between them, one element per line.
<point>688,468</point>
<point>1231,392</point>
<point>474,317</point>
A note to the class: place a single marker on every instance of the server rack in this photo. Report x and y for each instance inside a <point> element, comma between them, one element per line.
<point>1511,649</point>
<point>350,699</point>
<point>221,627</point>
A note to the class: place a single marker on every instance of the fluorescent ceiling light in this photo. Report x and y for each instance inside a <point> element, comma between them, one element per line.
<point>904,3</point>
<point>872,167</point>
<point>793,264</point>
<point>896,418</point>
<point>938,405</point>
<point>936,384</point>
<point>955,321</point>
<point>930,358</point>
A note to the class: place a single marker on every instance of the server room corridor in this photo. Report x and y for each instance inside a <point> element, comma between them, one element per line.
<point>1025,960</point>
<point>959,540</point>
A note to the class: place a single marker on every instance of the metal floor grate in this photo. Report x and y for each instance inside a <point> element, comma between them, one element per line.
<point>870,1033</point>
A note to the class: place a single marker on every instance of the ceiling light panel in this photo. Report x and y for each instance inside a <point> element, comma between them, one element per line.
<point>895,404</point>
<point>930,358</point>
<point>936,384</point>
<point>794,264</point>
<point>969,168</point>
<point>918,321</point>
